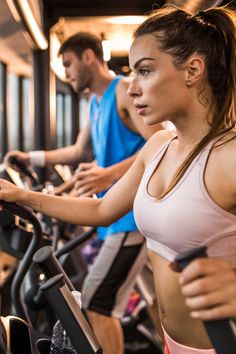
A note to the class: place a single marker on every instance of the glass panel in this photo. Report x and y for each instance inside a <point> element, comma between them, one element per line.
<point>59,120</point>
<point>28,122</point>
<point>84,105</point>
<point>1,110</point>
<point>68,119</point>
<point>13,112</point>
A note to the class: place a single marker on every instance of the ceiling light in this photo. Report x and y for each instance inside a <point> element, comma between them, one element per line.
<point>126,20</point>
<point>55,59</point>
<point>31,23</point>
<point>13,10</point>
<point>106,46</point>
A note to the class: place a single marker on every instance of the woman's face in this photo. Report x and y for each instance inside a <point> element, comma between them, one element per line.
<point>158,86</point>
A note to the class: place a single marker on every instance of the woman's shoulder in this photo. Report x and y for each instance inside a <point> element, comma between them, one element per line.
<point>162,136</point>
<point>226,146</point>
<point>156,143</point>
<point>222,163</point>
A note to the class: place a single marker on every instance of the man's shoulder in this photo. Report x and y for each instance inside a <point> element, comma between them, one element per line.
<point>123,99</point>
<point>123,83</point>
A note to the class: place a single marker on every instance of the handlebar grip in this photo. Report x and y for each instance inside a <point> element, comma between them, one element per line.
<point>13,160</point>
<point>220,332</point>
<point>183,259</point>
<point>16,209</point>
<point>22,166</point>
<point>47,261</point>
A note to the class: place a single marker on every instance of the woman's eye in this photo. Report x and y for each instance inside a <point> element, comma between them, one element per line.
<point>143,72</point>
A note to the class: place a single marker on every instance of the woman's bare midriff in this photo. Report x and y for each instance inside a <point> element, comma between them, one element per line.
<point>174,314</point>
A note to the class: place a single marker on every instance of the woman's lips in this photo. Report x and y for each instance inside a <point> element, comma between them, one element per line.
<point>141,109</point>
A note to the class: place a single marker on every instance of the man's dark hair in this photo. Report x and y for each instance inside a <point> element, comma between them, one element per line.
<point>81,41</point>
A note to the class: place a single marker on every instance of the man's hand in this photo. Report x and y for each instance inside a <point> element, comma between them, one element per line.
<point>91,179</point>
<point>23,156</point>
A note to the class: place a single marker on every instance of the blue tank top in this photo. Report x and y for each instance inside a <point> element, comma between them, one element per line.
<point>112,142</point>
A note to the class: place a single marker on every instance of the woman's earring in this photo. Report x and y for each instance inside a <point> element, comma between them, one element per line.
<point>188,83</point>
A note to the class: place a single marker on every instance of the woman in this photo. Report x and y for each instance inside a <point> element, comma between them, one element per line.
<point>184,71</point>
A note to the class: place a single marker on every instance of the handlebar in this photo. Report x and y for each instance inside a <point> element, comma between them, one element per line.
<point>220,332</point>
<point>19,210</point>
<point>50,266</point>
<point>26,214</point>
<point>77,241</point>
<point>68,312</point>
<point>13,160</point>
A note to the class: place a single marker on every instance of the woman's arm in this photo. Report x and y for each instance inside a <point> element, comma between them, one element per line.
<point>84,211</point>
<point>87,211</point>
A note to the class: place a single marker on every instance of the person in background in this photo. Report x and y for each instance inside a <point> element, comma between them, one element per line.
<point>181,186</point>
<point>117,134</point>
<point>85,68</point>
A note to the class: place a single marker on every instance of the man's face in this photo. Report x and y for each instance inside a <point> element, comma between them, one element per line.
<point>77,72</point>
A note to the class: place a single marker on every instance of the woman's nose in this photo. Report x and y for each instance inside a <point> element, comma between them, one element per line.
<point>133,89</point>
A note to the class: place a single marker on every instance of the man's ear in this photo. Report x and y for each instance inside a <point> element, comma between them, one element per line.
<point>88,56</point>
<point>194,70</point>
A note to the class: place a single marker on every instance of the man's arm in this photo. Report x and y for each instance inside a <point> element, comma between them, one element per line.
<point>70,154</point>
<point>67,155</point>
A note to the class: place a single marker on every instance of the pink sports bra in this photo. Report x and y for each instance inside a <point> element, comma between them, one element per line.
<point>186,217</point>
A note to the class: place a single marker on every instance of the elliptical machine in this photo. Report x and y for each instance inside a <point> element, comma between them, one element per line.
<point>17,334</point>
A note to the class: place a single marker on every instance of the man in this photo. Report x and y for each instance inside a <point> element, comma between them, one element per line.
<point>117,134</point>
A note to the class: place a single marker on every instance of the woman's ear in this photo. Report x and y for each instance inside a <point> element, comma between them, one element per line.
<point>194,70</point>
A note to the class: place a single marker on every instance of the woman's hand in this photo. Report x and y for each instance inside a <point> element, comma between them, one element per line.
<point>10,192</point>
<point>209,286</point>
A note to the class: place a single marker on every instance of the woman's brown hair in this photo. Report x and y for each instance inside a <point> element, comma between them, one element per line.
<point>211,33</point>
